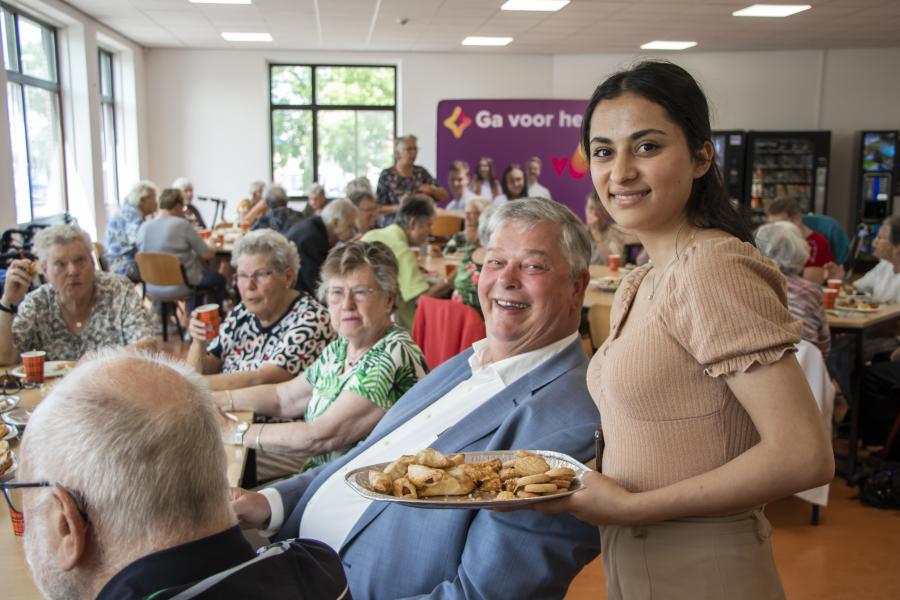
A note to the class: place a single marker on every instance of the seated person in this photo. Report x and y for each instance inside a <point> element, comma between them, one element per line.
<point>105,521</point>
<point>820,265</point>
<point>883,281</point>
<point>606,236</point>
<point>410,229</point>
<point>316,200</point>
<point>458,185</point>
<point>513,184</point>
<point>275,333</point>
<point>522,387</point>
<point>366,212</point>
<point>171,233</point>
<point>880,403</point>
<point>360,184</point>
<point>191,212</point>
<point>278,216</point>
<point>318,234</point>
<point>78,310</point>
<point>347,390</point>
<point>465,281</point>
<point>474,208</point>
<point>120,243</point>
<point>838,241</point>
<point>783,243</point>
<point>258,205</point>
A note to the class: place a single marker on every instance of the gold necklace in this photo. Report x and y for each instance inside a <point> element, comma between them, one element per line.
<point>671,262</point>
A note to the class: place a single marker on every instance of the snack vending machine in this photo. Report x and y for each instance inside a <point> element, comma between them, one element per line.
<point>792,164</point>
<point>877,176</point>
<point>730,150</point>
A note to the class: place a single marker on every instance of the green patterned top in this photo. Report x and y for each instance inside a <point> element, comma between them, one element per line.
<point>382,375</point>
<point>466,282</point>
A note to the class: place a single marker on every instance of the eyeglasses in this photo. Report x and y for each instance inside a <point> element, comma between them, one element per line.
<point>255,276</point>
<point>360,295</point>
<point>18,518</point>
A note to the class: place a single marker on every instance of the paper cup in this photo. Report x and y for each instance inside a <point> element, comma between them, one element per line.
<point>245,227</point>
<point>220,238</point>
<point>828,297</point>
<point>835,284</point>
<point>449,269</point>
<point>17,518</point>
<point>209,314</point>
<point>205,234</point>
<point>34,365</point>
<point>614,260</point>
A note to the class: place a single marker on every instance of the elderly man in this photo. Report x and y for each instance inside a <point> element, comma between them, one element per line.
<point>411,229</point>
<point>120,243</point>
<point>316,200</point>
<point>522,387</point>
<point>136,505</point>
<point>315,236</point>
<point>366,211</point>
<point>279,217</point>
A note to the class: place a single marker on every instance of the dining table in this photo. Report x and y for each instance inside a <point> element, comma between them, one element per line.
<point>15,578</point>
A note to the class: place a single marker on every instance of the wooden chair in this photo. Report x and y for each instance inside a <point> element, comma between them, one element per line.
<point>165,282</point>
<point>99,257</point>
<point>443,227</point>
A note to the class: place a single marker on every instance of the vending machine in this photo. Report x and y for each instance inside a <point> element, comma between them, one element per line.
<point>788,164</point>
<point>730,151</point>
<point>877,176</point>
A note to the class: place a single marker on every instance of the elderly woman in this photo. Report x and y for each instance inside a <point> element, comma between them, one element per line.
<point>316,200</point>
<point>190,211</point>
<point>606,237</point>
<point>783,242</point>
<point>366,211</point>
<point>120,244</point>
<point>76,311</point>
<point>344,394</point>
<point>275,333</point>
<point>465,282</point>
<point>474,208</point>
<point>256,205</point>
<point>405,178</point>
<point>315,236</point>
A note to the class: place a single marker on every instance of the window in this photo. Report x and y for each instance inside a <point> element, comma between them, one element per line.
<point>108,139</point>
<point>29,57</point>
<point>331,124</point>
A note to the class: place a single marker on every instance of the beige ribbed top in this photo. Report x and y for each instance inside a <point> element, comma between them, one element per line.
<point>666,411</point>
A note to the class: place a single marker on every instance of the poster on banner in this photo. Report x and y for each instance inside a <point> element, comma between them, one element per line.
<point>512,131</point>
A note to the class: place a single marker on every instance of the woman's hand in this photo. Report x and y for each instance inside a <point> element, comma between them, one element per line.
<point>197,328</point>
<point>601,501</point>
<point>18,280</point>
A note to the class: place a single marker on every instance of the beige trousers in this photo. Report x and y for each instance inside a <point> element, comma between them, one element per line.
<point>727,558</point>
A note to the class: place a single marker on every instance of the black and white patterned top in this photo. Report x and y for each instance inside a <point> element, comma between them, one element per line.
<point>293,343</point>
<point>118,318</point>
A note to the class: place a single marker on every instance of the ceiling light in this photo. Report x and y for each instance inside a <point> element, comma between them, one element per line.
<point>220,1</point>
<point>240,36</point>
<point>771,10</point>
<point>536,5</point>
<point>665,45</point>
<point>486,41</point>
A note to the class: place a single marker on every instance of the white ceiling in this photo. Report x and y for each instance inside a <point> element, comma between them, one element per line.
<point>584,26</point>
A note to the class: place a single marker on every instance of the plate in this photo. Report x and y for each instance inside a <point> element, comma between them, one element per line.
<point>53,368</point>
<point>856,309</point>
<point>8,403</point>
<point>607,284</point>
<point>10,473</point>
<point>17,416</point>
<point>12,433</point>
<point>358,481</point>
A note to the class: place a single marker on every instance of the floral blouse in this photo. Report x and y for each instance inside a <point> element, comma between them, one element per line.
<point>466,282</point>
<point>120,244</point>
<point>392,186</point>
<point>382,375</point>
<point>117,318</point>
<point>292,343</point>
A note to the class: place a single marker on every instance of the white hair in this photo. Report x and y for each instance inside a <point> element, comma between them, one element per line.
<point>276,195</point>
<point>59,235</point>
<point>147,470</point>
<point>282,253</point>
<point>314,189</point>
<point>257,187</point>
<point>141,190</point>
<point>783,242</point>
<point>360,184</point>
<point>400,142</point>
<point>181,183</point>
<point>339,211</point>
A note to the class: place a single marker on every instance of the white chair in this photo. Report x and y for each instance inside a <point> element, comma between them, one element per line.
<point>810,359</point>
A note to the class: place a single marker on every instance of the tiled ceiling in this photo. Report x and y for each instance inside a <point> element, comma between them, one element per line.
<point>584,26</point>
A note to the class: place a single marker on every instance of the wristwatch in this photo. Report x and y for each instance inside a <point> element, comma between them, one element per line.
<point>11,309</point>
<point>239,431</point>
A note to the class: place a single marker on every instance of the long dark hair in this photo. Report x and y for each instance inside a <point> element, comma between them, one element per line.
<point>676,91</point>
<point>505,187</point>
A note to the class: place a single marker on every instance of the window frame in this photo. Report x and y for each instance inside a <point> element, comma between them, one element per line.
<point>24,80</point>
<point>314,107</point>
<point>111,102</point>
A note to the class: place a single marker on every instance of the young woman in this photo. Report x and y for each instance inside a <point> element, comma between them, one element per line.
<point>705,411</point>
<point>484,183</point>
<point>513,184</point>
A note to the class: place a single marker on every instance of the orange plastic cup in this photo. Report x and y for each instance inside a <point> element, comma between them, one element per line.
<point>835,284</point>
<point>614,260</point>
<point>220,238</point>
<point>209,314</point>
<point>17,518</point>
<point>449,269</point>
<point>828,297</point>
<point>205,234</point>
<point>34,365</point>
<point>245,227</point>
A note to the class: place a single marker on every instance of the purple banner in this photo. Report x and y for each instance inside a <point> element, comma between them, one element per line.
<point>512,131</point>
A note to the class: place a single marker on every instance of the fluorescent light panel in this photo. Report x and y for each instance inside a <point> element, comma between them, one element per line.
<point>771,10</point>
<point>220,1</point>
<point>474,40</point>
<point>666,45</point>
<point>534,5</point>
<point>240,36</point>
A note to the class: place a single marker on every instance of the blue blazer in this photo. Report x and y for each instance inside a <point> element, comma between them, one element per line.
<point>395,551</point>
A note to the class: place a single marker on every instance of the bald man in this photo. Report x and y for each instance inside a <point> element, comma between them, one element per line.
<point>125,494</point>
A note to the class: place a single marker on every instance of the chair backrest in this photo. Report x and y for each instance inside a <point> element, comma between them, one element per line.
<point>444,328</point>
<point>159,268</point>
<point>445,226</point>
<point>99,250</point>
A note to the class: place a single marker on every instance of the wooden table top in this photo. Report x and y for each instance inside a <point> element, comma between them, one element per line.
<point>594,295</point>
<point>14,575</point>
<point>843,319</point>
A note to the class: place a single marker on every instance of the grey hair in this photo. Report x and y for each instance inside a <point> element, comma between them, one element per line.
<point>479,201</point>
<point>783,242</point>
<point>276,196</point>
<point>339,210</point>
<point>257,187</point>
<point>359,184</point>
<point>59,235</point>
<point>314,189</point>
<point>282,253</point>
<point>576,240</point>
<point>355,255</point>
<point>357,196</point>
<point>400,142</point>
<point>141,190</point>
<point>483,220</point>
<point>181,183</point>
<point>145,474</point>
<point>414,207</point>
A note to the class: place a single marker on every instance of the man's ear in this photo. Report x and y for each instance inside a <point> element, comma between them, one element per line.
<point>69,527</point>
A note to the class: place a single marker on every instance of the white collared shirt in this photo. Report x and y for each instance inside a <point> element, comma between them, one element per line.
<point>881,282</point>
<point>334,509</point>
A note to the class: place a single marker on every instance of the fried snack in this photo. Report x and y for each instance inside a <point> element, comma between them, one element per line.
<point>449,486</point>
<point>491,485</point>
<point>531,465</point>
<point>562,484</point>
<point>381,482</point>
<point>432,458</point>
<point>524,494</point>
<point>5,457</point>
<point>540,488</point>
<point>524,453</point>
<point>33,268</point>
<point>3,429</point>
<point>458,459</point>
<point>561,473</point>
<point>397,469</point>
<point>420,475</point>
<point>508,473</point>
<point>539,478</point>
<point>482,471</point>
<point>404,489</point>
<point>506,496</point>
